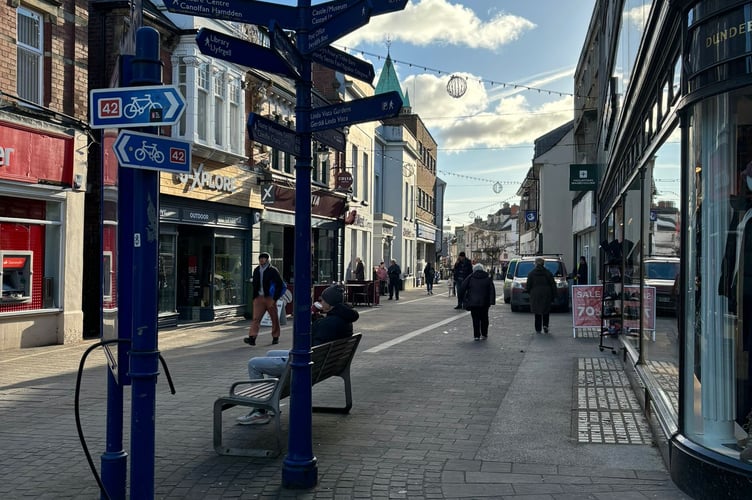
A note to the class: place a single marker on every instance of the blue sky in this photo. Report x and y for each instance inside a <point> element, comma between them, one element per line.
<point>486,136</point>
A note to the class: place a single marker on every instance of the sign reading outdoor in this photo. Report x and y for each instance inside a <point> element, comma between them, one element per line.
<point>135,106</point>
<point>152,152</point>
<point>216,44</point>
<point>344,63</point>
<point>378,107</point>
<point>248,11</point>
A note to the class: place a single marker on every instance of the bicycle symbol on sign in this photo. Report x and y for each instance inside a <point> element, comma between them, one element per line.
<point>150,151</point>
<point>138,106</point>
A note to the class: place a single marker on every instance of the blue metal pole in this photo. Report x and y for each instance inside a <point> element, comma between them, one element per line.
<point>300,469</point>
<point>144,361</point>
<point>114,461</point>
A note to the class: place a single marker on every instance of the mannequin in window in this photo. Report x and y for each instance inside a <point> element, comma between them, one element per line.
<point>736,284</point>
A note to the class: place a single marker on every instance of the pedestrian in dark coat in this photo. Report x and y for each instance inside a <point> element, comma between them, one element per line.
<point>395,278</point>
<point>462,269</point>
<point>479,294</point>
<point>542,289</point>
<point>582,272</point>
<point>430,274</point>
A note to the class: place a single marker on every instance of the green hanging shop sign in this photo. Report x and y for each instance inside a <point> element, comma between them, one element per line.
<point>583,177</point>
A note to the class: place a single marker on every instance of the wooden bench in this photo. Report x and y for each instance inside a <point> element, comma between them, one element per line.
<point>327,360</point>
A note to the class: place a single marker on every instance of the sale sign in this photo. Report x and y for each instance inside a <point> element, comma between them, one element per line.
<point>586,305</point>
<point>632,307</point>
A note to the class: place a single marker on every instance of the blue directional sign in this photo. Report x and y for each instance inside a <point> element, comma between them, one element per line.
<point>378,107</point>
<point>344,63</point>
<point>152,152</point>
<point>216,44</point>
<point>282,45</point>
<point>272,134</point>
<point>323,12</point>
<point>333,138</point>
<point>352,18</point>
<point>135,106</point>
<point>248,11</point>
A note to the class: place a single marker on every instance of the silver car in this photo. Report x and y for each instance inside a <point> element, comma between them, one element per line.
<point>507,287</point>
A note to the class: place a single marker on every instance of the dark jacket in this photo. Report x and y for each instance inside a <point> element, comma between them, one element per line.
<point>478,290</point>
<point>542,289</point>
<point>337,324</point>
<point>273,283</point>
<point>462,269</point>
<point>582,274</point>
<point>394,272</point>
<point>430,273</point>
<point>360,272</point>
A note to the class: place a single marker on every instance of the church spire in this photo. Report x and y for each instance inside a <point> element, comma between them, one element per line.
<point>388,80</point>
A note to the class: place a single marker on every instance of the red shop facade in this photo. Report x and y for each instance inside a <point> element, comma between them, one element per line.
<point>41,207</point>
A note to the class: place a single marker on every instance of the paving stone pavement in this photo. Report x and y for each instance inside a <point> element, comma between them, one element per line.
<point>435,416</point>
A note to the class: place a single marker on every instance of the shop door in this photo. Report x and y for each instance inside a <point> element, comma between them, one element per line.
<point>194,298</point>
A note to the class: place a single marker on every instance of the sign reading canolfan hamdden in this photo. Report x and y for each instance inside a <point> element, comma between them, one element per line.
<point>718,38</point>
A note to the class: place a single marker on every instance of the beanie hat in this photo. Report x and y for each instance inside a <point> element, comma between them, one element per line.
<point>264,255</point>
<point>462,254</point>
<point>333,295</point>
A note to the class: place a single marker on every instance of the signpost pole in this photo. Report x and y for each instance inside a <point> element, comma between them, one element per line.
<point>143,206</point>
<point>300,469</point>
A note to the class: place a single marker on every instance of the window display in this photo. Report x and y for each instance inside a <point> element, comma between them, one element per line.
<point>719,239</point>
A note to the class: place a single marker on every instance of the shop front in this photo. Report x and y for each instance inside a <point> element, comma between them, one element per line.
<point>277,233</point>
<point>41,227</point>
<point>203,259</point>
<point>679,184</point>
<point>426,249</point>
<point>715,439</point>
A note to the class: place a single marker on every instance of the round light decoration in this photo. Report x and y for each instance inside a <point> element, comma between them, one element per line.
<point>498,187</point>
<point>471,215</point>
<point>457,86</point>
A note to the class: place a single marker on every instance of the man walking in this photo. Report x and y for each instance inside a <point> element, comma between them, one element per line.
<point>267,289</point>
<point>462,269</point>
<point>542,289</point>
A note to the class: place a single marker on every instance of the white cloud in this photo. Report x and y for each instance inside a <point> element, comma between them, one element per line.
<point>430,22</point>
<point>474,120</point>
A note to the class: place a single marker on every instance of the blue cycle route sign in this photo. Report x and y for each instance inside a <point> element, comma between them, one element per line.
<point>154,105</point>
<point>152,152</point>
<point>248,11</point>
<point>228,48</point>
<point>378,107</point>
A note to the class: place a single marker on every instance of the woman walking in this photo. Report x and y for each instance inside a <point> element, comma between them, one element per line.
<point>430,274</point>
<point>478,295</point>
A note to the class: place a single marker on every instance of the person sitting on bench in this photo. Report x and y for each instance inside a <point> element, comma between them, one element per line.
<point>336,323</point>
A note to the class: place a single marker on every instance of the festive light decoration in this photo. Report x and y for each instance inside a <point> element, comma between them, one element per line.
<point>482,81</point>
<point>457,86</point>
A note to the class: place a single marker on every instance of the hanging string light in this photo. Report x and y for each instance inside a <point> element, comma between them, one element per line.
<point>482,81</point>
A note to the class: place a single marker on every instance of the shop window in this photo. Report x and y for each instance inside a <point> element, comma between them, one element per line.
<point>29,54</point>
<point>107,276</point>
<point>15,276</point>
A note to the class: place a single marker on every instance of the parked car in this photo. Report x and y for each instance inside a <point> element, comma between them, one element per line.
<point>508,277</point>
<point>661,273</point>
<point>520,299</point>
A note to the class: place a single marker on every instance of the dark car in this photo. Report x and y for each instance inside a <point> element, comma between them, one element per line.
<point>521,299</point>
<point>661,273</point>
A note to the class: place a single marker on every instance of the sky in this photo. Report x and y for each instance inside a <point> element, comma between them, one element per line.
<point>485,137</point>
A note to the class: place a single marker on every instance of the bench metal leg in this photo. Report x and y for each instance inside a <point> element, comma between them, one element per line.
<point>348,397</point>
<point>221,405</point>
